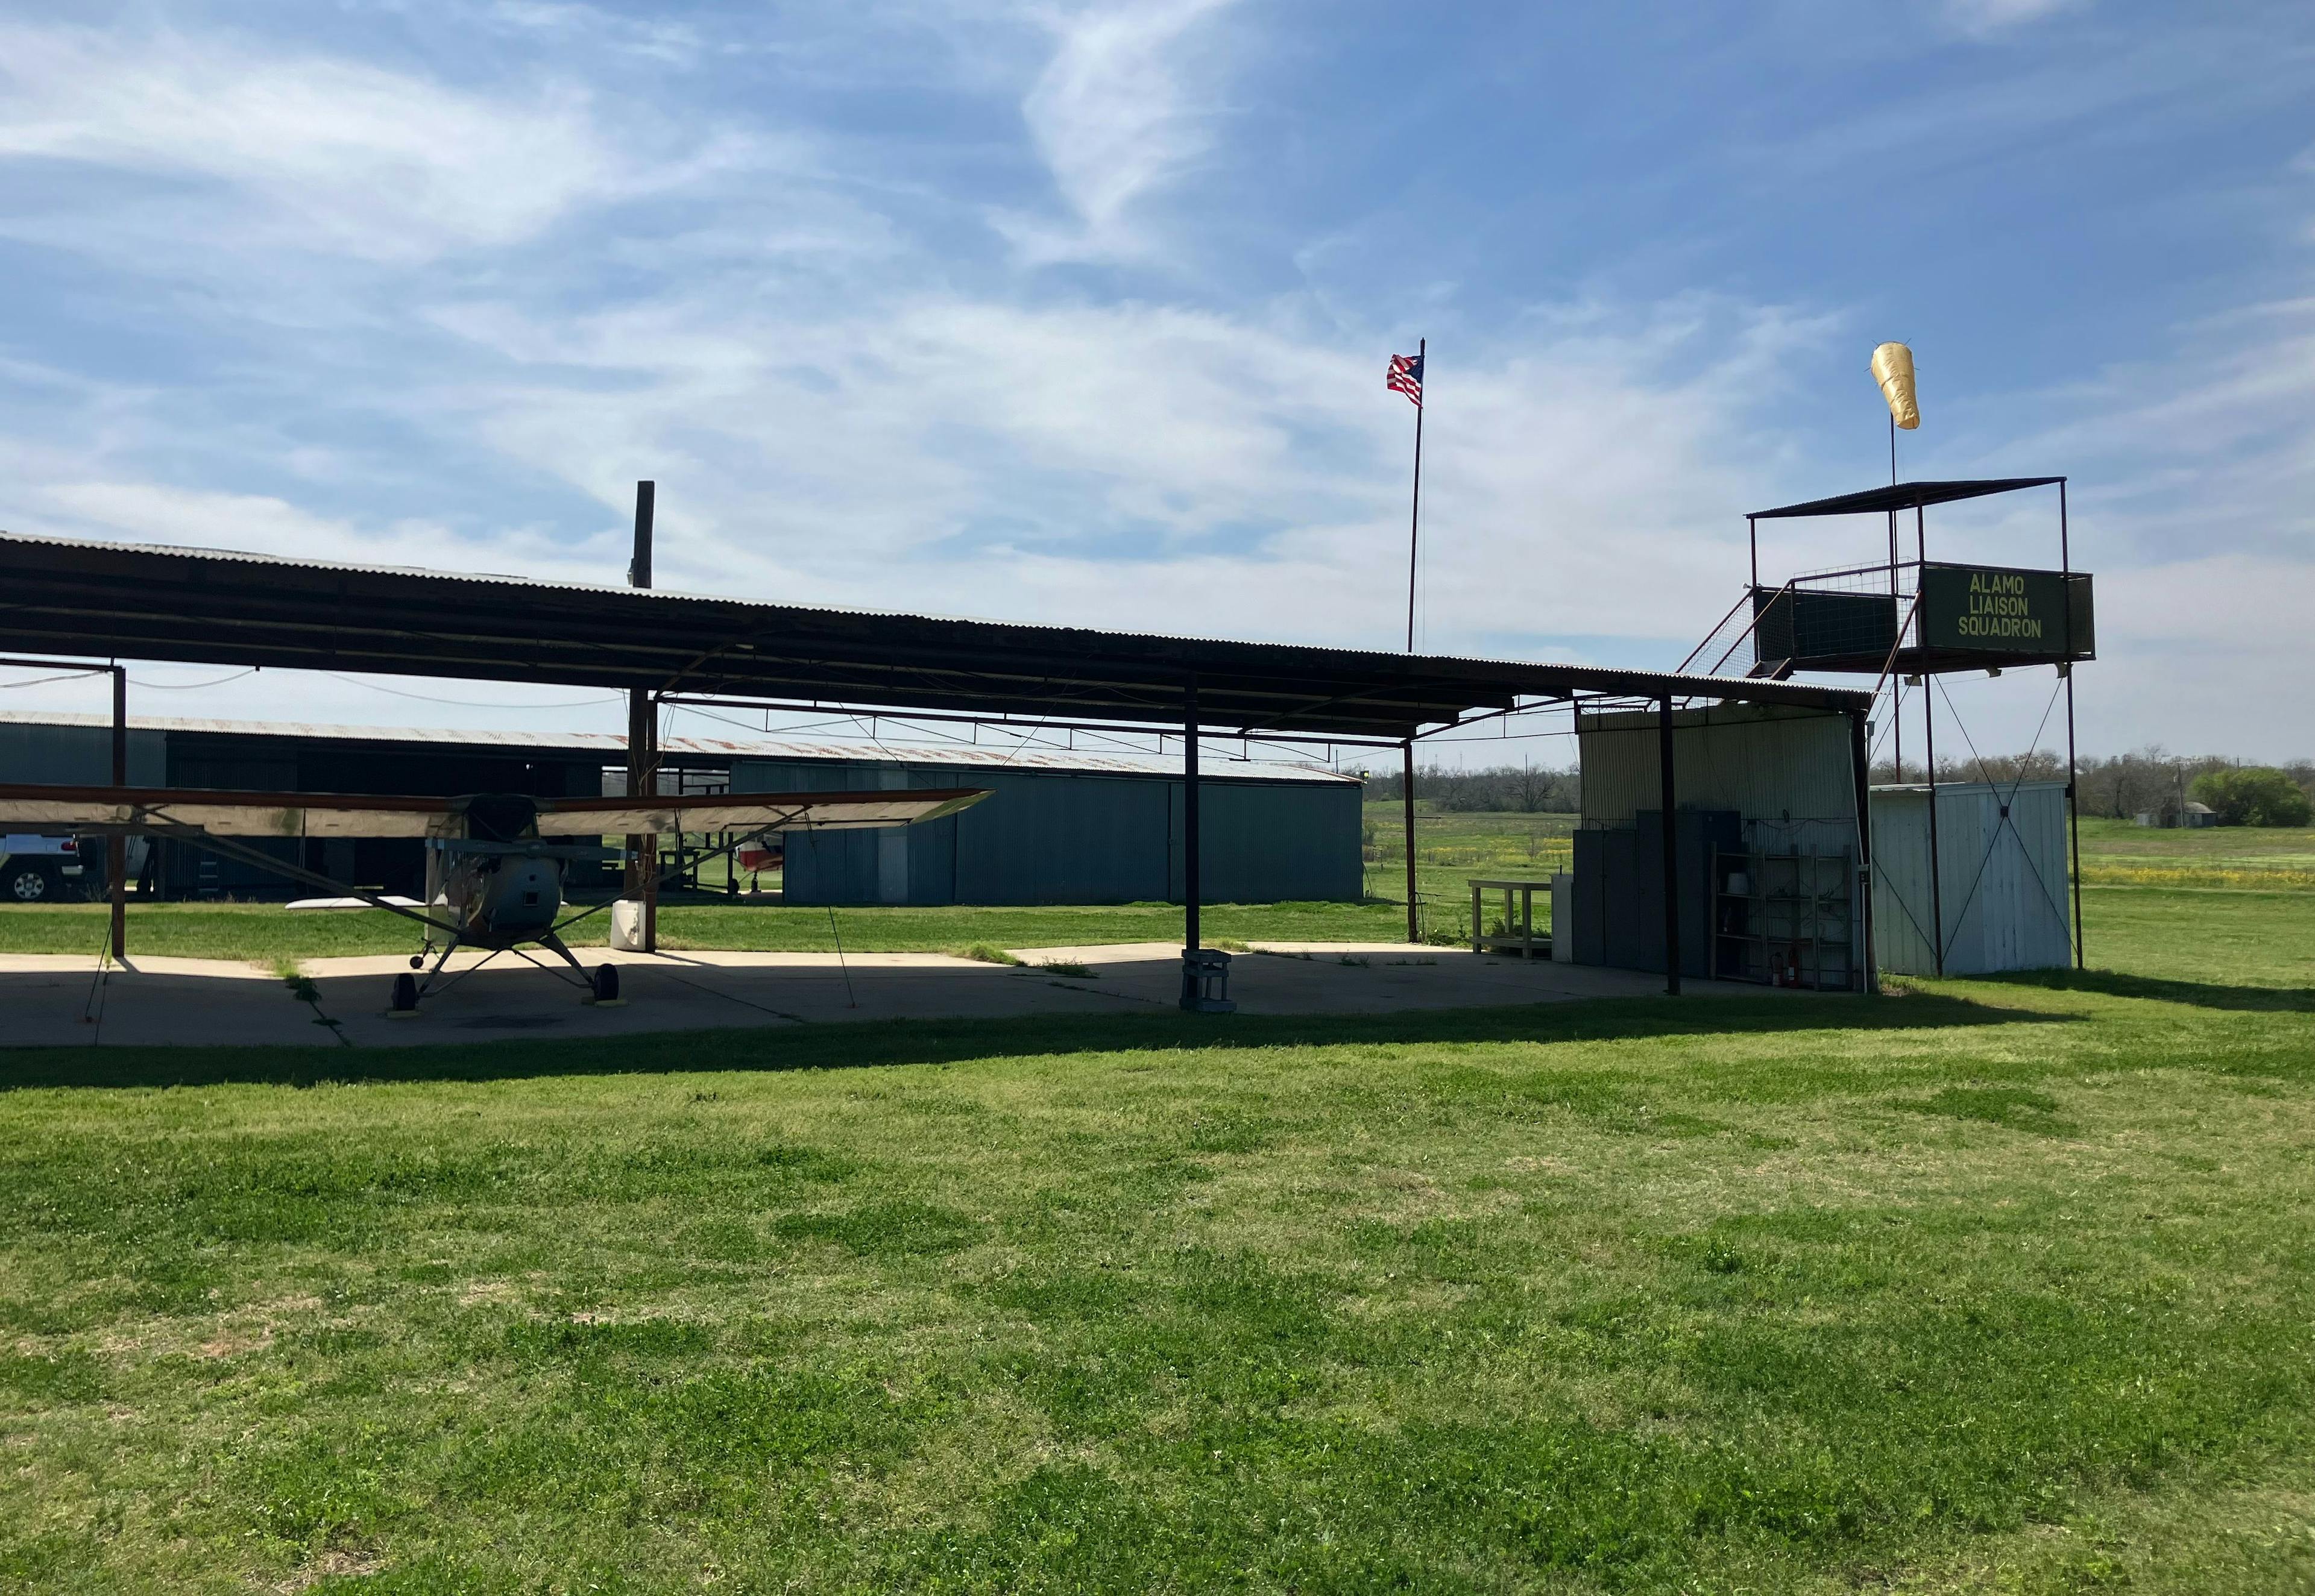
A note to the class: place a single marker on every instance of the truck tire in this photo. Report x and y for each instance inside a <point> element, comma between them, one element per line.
<point>25,882</point>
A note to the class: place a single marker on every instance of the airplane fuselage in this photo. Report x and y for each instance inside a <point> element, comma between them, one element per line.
<point>503,899</point>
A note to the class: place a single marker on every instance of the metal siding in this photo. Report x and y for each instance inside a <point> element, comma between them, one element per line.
<point>2004,885</point>
<point>1064,839</point>
<point>1275,845</point>
<point>1053,838</point>
<point>1788,774</point>
<point>78,754</point>
<point>1766,765</point>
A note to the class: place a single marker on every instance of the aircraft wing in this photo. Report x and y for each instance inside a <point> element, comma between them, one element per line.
<point>227,814</point>
<point>751,811</point>
<point>362,814</point>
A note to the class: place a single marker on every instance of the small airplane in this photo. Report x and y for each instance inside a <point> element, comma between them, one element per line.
<point>494,861</point>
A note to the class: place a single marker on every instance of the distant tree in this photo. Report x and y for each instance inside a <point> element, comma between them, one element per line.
<point>1526,789</point>
<point>2254,795</point>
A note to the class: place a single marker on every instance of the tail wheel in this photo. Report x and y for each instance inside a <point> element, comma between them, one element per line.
<point>405,994</point>
<point>607,983</point>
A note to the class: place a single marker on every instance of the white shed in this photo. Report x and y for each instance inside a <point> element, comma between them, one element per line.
<point>2002,878</point>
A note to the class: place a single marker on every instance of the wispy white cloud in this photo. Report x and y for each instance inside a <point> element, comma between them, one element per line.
<point>1983,17</point>
<point>1127,101</point>
<point>261,147</point>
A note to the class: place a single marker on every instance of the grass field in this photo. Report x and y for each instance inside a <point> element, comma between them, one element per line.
<point>266,932</point>
<point>1450,850</point>
<point>1999,1286</point>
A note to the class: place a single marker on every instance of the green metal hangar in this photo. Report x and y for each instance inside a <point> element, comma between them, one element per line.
<point>109,601</point>
<point>1073,827</point>
<point>1070,828</point>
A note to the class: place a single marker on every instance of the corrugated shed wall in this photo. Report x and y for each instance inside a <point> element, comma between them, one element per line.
<point>72,755</point>
<point>2005,883</point>
<point>1066,838</point>
<point>1788,774</point>
<point>1766,763</point>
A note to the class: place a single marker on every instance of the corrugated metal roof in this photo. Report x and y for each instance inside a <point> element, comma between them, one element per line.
<point>169,602</point>
<point>612,748</point>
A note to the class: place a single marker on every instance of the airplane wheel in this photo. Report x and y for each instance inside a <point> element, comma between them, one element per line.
<point>417,962</point>
<point>607,983</point>
<point>405,995</point>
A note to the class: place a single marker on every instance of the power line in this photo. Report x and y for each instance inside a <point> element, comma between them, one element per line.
<point>466,702</point>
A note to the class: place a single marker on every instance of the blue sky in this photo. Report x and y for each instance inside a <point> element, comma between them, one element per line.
<point>1080,311</point>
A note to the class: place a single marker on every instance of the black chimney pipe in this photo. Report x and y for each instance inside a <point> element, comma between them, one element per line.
<point>639,571</point>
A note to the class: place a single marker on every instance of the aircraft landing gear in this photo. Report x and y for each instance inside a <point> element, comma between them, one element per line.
<point>417,962</point>
<point>403,1004</point>
<point>606,985</point>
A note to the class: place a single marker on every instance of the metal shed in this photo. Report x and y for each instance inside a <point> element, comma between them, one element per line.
<point>1764,845</point>
<point>2001,884</point>
<point>1064,827</point>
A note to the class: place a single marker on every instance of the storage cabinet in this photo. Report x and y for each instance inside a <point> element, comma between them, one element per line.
<point>1784,919</point>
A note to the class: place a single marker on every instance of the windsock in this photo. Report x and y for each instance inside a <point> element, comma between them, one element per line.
<point>1893,368</point>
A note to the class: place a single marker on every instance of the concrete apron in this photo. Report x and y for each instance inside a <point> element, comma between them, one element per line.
<point>63,1000</point>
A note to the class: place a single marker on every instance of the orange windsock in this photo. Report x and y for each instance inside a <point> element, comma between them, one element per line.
<point>1893,368</point>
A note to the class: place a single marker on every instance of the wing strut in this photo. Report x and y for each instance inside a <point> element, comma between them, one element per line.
<point>242,853</point>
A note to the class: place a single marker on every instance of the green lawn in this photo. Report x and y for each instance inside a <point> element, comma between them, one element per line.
<point>265,932</point>
<point>1998,1286</point>
<point>1450,850</point>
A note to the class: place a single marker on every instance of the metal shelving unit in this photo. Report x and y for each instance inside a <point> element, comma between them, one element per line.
<point>1793,923</point>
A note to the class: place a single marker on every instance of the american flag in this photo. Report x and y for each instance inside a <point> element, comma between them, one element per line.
<point>1406,376</point>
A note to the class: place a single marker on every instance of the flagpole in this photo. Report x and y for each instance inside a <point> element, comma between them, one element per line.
<point>1414,515</point>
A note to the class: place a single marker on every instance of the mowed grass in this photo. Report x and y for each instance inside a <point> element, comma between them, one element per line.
<point>1998,1285</point>
<point>265,932</point>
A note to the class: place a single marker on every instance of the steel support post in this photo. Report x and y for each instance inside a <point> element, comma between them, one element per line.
<point>1937,870</point>
<point>1191,840</point>
<point>1671,850</point>
<point>1930,747</point>
<point>1860,764</point>
<point>643,739</point>
<point>651,839</point>
<point>116,846</point>
<point>1406,811</point>
<point>2073,804</point>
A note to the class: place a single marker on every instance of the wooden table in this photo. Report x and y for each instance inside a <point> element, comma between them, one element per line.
<point>1519,918</point>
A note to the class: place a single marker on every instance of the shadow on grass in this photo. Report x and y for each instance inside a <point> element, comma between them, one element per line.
<point>875,1043</point>
<point>2162,989</point>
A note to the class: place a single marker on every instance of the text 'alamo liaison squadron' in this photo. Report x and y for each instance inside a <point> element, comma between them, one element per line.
<point>1999,608</point>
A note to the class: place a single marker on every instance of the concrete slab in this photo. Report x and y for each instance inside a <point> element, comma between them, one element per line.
<point>63,1000</point>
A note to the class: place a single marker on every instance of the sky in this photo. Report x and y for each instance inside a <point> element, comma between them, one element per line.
<point>1080,312</point>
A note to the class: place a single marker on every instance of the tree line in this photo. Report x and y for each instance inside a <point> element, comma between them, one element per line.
<point>1498,789</point>
<point>2148,781</point>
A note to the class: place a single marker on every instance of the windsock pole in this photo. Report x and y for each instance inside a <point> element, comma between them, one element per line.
<point>1897,679</point>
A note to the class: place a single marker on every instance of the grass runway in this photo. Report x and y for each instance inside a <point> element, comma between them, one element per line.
<point>1998,1285</point>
